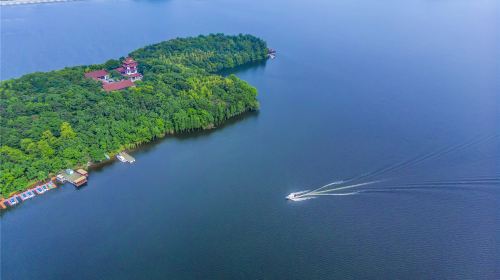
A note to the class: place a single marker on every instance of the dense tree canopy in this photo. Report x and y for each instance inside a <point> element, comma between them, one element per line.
<point>55,120</point>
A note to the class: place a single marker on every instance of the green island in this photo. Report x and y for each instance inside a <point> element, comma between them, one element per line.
<point>61,119</point>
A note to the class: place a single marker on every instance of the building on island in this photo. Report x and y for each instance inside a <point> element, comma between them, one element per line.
<point>129,70</point>
<point>117,85</point>
<point>99,75</point>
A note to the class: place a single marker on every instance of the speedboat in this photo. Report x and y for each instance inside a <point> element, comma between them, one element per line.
<point>296,196</point>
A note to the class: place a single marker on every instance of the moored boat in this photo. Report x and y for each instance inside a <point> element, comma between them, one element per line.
<point>13,200</point>
<point>60,178</point>
<point>27,195</point>
<point>51,185</point>
<point>124,157</point>
<point>39,189</point>
<point>121,158</point>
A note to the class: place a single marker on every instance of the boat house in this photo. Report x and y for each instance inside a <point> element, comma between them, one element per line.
<point>83,172</point>
<point>74,178</point>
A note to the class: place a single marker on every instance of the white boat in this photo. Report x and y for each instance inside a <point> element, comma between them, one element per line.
<point>297,196</point>
<point>13,201</point>
<point>124,157</point>
<point>39,189</point>
<point>121,158</point>
<point>27,195</point>
<point>60,178</point>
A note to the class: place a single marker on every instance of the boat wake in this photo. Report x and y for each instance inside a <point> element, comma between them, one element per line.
<point>303,195</point>
<point>335,188</point>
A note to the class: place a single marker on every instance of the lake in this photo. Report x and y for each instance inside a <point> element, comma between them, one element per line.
<point>407,91</point>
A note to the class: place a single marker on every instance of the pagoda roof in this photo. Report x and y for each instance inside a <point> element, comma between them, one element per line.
<point>129,60</point>
<point>117,85</point>
<point>96,74</point>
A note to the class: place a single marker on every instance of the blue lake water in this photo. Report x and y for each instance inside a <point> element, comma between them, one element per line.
<point>357,86</point>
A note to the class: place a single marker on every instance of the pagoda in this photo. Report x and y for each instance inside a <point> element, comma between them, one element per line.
<point>129,70</point>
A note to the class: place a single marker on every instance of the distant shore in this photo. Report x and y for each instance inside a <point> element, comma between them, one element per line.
<point>24,2</point>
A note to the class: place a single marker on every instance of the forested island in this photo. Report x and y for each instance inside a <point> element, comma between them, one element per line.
<point>60,119</point>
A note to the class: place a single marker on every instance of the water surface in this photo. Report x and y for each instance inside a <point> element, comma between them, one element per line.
<point>357,85</point>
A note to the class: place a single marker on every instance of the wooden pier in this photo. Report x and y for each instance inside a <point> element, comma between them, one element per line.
<point>2,204</point>
<point>74,177</point>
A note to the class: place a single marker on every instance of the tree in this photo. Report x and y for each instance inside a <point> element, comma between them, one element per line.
<point>115,75</point>
<point>111,64</point>
<point>66,131</point>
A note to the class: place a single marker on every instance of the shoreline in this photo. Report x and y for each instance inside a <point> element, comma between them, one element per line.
<point>213,100</point>
<point>28,2</point>
<point>102,164</point>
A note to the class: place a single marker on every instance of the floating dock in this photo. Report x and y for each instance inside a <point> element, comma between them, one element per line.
<point>77,178</point>
<point>74,177</point>
<point>29,193</point>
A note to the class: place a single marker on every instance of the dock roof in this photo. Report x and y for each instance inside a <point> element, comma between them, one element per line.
<point>75,176</point>
<point>82,171</point>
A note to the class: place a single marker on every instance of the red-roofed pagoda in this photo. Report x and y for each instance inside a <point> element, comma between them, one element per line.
<point>129,69</point>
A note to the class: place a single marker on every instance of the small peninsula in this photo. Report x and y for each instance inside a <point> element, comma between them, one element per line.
<point>62,119</point>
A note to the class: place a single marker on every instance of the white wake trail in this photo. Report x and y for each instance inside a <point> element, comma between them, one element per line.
<point>327,185</point>
<point>304,198</point>
<point>343,188</point>
<point>351,193</point>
